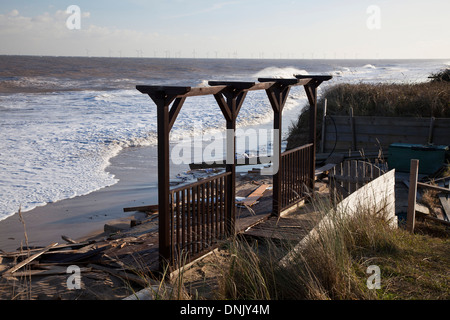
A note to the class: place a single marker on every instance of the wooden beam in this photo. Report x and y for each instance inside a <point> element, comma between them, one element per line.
<point>149,208</point>
<point>320,78</point>
<point>180,91</point>
<point>283,81</point>
<point>238,85</point>
<point>445,206</point>
<point>28,260</point>
<point>175,110</point>
<point>163,183</point>
<point>411,212</point>
<point>223,106</point>
<point>436,188</point>
<point>277,94</point>
<point>167,90</point>
<point>311,92</point>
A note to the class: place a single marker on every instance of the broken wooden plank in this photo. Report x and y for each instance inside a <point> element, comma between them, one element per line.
<point>325,168</point>
<point>55,249</point>
<point>254,196</point>
<point>56,270</point>
<point>411,211</point>
<point>31,258</point>
<point>436,188</point>
<point>68,240</point>
<point>429,217</point>
<point>422,209</point>
<point>445,206</point>
<point>151,208</point>
<point>74,255</point>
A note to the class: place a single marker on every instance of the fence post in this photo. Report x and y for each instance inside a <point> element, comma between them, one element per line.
<point>411,213</point>
<point>352,126</point>
<point>311,93</point>
<point>324,129</point>
<point>277,95</point>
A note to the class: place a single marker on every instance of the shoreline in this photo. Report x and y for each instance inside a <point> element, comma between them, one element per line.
<point>84,217</point>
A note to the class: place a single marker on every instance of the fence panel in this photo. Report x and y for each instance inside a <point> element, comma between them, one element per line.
<point>344,133</point>
<point>197,216</point>
<point>351,175</point>
<point>295,174</point>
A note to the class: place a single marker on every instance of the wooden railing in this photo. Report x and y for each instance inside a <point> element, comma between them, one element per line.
<point>198,217</point>
<point>296,174</point>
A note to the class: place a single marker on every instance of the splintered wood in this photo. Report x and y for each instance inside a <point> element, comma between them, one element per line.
<point>254,196</point>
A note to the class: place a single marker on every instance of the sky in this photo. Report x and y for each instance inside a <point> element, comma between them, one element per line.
<point>287,29</point>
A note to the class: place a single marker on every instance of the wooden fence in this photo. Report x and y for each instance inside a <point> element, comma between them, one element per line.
<point>344,133</point>
<point>198,216</point>
<point>296,175</point>
<point>348,176</point>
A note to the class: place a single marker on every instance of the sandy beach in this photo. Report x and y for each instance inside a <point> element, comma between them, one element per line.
<point>79,217</point>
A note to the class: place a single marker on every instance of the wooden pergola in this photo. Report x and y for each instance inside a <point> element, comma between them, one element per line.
<point>229,96</point>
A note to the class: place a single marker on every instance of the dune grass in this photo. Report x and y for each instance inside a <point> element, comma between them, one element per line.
<point>429,99</point>
<point>335,265</point>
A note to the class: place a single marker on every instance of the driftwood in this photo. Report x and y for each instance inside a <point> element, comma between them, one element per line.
<point>254,196</point>
<point>74,255</point>
<point>31,258</point>
<point>55,270</point>
<point>68,240</point>
<point>150,208</point>
<point>436,188</point>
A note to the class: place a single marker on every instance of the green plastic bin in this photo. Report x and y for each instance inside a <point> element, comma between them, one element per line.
<point>431,158</point>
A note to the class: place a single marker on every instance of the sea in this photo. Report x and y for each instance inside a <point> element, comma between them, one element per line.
<point>62,119</point>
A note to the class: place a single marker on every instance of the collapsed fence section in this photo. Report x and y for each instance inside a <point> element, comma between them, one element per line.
<point>296,174</point>
<point>198,216</point>
<point>348,176</point>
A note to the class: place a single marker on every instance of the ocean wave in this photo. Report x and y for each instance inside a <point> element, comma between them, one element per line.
<point>369,66</point>
<point>277,72</point>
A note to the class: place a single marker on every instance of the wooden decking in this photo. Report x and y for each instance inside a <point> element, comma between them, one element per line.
<point>288,229</point>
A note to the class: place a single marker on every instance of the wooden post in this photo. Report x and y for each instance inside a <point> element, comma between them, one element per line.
<point>311,92</point>
<point>276,196</point>
<point>324,129</point>
<point>411,213</point>
<point>163,98</point>
<point>352,125</point>
<point>230,102</point>
<point>430,131</point>
<point>163,183</point>
<point>277,95</point>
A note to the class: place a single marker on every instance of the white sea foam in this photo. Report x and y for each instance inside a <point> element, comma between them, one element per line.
<point>276,72</point>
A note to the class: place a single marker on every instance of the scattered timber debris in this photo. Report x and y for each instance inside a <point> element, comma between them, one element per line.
<point>130,260</point>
